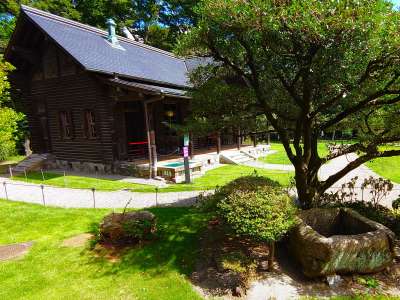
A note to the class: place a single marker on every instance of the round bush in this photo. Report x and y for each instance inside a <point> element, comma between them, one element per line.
<point>263,214</point>
<point>244,184</point>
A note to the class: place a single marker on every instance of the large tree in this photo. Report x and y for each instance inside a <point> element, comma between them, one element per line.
<point>311,66</point>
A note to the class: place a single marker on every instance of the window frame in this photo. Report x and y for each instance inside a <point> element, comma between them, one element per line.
<point>90,124</point>
<point>66,125</point>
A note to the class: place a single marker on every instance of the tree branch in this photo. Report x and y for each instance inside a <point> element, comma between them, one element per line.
<point>371,100</point>
<point>324,185</point>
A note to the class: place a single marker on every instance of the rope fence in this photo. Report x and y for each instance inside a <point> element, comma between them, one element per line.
<point>155,196</point>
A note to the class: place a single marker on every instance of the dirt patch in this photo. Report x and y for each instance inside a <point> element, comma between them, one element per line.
<point>227,264</point>
<point>79,240</point>
<point>110,252</point>
<point>13,251</point>
<point>234,268</point>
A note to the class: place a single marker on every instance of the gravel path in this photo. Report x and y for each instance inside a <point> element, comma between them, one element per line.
<point>361,172</point>
<point>66,197</point>
<point>78,198</point>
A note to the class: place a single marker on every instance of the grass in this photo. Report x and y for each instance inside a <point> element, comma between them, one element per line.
<point>12,160</point>
<point>280,156</point>
<point>157,270</point>
<point>387,167</point>
<point>210,180</point>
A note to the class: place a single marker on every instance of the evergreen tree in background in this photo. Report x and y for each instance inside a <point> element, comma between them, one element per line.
<point>158,23</point>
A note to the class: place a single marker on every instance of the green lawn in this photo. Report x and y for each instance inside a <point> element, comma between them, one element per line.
<point>11,160</point>
<point>157,271</point>
<point>280,156</point>
<point>210,180</point>
<point>387,167</point>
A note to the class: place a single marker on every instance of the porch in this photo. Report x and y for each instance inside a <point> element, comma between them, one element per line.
<point>203,159</point>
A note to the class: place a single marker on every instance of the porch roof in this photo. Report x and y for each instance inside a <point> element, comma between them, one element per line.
<point>149,89</point>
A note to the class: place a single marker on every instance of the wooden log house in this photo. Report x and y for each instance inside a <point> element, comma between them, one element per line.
<point>95,100</point>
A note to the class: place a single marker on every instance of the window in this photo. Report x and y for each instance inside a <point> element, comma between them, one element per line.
<point>90,124</point>
<point>66,124</point>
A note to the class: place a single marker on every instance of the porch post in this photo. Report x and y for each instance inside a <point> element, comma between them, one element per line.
<point>151,140</point>
<point>239,139</point>
<point>255,140</point>
<point>191,145</point>
<point>218,142</point>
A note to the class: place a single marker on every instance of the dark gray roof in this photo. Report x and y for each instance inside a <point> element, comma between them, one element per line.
<point>88,45</point>
<point>149,89</point>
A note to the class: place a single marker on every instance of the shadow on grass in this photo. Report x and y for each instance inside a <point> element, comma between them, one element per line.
<point>175,247</point>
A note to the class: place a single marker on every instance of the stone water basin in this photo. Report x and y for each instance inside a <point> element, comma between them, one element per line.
<point>339,240</point>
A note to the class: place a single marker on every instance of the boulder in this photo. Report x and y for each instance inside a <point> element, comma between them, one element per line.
<point>339,240</point>
<point>128,227</point>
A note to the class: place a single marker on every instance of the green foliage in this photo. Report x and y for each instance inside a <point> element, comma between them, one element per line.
<point>263,214</point>
<point>244,184</point>
<point>7,26</point>
<point>159,23</point>
<point>368,282</point>
<point>5,68</point>
<point>9,119</point>
<point>8,131</point>
<point>210,114</point>
<point>237,261</point>
<point>311,67</point>
<point>396,203</point>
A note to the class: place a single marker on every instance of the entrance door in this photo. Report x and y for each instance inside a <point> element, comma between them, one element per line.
<point>136,133</point>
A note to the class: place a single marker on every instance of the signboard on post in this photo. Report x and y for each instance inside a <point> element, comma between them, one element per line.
<point>185,151</point>
<point>186,157</point>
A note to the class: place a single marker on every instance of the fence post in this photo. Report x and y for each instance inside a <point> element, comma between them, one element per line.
<point>65,183</point>
<point>42,188</point>
<point>26,177</point>
<point>5,189</point>
<point>156,196</point>
<point>10,170</point>
<point>94,197</point>
<point>41,171</point>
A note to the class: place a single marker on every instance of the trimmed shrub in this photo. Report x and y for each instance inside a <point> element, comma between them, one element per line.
<point>263,214</point>
<point>244,184</point>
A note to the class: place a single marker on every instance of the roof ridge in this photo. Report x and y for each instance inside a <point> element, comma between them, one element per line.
<point>95,29</point>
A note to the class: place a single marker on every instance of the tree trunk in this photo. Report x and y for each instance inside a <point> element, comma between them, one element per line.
<point>306,184</point>
<point>271,256</point>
